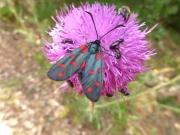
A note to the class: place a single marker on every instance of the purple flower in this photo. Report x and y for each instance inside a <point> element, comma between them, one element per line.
<point>76,25</point>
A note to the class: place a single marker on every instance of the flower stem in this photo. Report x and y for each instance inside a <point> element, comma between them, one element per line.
<point>175,109</point>
<point>142,93</point>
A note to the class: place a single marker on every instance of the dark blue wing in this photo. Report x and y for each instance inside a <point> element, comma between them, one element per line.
<point>92,77</point>
<point>69,65</point>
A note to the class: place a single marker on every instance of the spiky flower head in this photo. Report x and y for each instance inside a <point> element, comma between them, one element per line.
<point>75,25</point>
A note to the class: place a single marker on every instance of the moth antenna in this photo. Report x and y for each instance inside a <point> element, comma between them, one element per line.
<point>93,22</point>
<point>120,25</point>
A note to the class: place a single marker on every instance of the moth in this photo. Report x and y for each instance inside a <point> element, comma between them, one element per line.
<point>87,62</point>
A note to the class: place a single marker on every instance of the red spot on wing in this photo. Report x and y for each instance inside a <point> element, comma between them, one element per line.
<point>61,65</point>
<point>83,65</point>
<point>99,70</point>
<point>82,46</point>
<point>91,72</point>
<point>102,55</point>
<point>97,84</point>
<point>73,63</point>
<point>89,89</point>
<point>71,55</point>
<point>97,56</point>
<point>84,50</point>
<point>61,74</point>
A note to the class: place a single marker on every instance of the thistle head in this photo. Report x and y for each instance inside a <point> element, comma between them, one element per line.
<point>75,24</point>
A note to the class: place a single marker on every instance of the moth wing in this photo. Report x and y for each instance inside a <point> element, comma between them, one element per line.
<point>68,65</point>
<point>92,77</point>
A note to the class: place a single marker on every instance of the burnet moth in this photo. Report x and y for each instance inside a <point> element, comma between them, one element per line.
<point>87,62</point>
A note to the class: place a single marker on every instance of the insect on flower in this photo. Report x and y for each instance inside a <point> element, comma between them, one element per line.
<point>124,92</point>
<point>115,47</point>
<point>90,61</point>
<point>87,61</point>
<point>70,83</point>
<point>67,41</point>
<point>125,12</point>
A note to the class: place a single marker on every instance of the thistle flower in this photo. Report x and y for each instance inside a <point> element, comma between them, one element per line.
<point>74,28</point>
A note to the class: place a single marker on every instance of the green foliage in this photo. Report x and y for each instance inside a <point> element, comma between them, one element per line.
<point>6,14</point>
<point>171,101</point>
<point>117,114</point>
<point>162,12</point>
<point>153,131</point>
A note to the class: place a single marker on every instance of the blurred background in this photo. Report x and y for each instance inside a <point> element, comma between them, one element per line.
<point>30,103</point>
